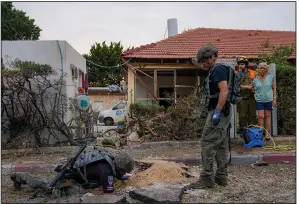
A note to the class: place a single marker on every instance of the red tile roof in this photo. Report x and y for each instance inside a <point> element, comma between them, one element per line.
<point>230,43</point>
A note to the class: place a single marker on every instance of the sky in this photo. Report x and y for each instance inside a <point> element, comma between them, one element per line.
<point>139,23</point>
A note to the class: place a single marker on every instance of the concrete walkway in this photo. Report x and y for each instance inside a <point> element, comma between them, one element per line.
<point>253,156</point>
<point>145,145</point>
<point>286,157</point>
<point>244,158</point>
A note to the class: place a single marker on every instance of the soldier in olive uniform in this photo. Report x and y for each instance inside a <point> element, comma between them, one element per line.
<point>214,137</point>
<point>101,172</point>
<point>247,109</point>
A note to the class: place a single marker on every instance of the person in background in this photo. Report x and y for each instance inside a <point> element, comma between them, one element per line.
<point>247,107</point>
<point>236,69</point>
<point>265,89</point>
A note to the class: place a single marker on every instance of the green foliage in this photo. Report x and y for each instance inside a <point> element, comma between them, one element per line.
<point>104,55</point>
<point>286,98</point>
<point>15,25</point>
<point>178,122</point>
<point>276,54</point>
<point>144,110</point>
<point>286,84</point>
<point>27,69</point>
<point>23,89</point>
<point>266,44</point>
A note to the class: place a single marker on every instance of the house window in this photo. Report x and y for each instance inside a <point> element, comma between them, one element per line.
<point>81,79</point>
<point>86,81</point>
<point>74,71</point>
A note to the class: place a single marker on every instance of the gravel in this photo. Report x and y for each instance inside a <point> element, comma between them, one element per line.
<point>272,183</point>
<point>247,184</point>
<point>261,184</point>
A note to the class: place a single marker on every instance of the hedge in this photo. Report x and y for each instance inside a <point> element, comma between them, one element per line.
<point>286,99</point>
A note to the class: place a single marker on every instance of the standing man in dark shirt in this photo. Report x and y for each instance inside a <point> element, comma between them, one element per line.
<point>214,137</point>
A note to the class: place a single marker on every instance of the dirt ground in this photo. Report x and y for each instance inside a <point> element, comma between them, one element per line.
<point>273,183</point>
<point>264,184</point>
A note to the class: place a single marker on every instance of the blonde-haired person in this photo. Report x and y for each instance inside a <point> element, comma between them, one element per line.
<point>265,89</point>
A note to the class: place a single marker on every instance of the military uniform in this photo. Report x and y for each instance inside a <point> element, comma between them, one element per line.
<point>247,109</point>
<point>214,141</point>
<point>115,168</point>
<point>214,145</point>
<point>34,182</point>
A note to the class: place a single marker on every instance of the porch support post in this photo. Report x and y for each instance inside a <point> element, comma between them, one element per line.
<point>155,83</point>
<point>131,87</point>
<point>197,78</point>
<point>274,127</point>
<point>174,84</point>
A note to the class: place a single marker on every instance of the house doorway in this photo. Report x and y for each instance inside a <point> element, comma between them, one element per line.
<point>165,93</point>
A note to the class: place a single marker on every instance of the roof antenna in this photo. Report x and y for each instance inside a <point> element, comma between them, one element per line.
<point>165,31</point>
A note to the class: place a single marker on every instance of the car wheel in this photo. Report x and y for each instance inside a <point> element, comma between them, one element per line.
<point>108,121</point>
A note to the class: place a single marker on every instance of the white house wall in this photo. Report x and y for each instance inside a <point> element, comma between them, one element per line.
<point>47,52</point>
<point>75,58</point>
<point>42,52</point>
<point>72,57</point>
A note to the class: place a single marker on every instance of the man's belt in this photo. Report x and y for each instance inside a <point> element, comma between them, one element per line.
<point>246,98</point>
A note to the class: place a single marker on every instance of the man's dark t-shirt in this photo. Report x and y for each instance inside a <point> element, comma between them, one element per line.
<point>219,73</point>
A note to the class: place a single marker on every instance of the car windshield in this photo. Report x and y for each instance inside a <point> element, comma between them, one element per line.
<point>120,106</point>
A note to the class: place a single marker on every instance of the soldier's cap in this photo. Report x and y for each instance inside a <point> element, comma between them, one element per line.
<point>124,161</point>
<point>205,52</point>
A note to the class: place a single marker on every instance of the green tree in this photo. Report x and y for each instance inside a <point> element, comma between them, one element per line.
<point>15,25</point>
<point>104,64</point>
<point>285,82</point>
<point>276,54</point>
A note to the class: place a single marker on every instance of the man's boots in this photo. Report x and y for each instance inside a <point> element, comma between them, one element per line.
<point>17,183</point>
<point>220,180</point>
<point>203,182</point>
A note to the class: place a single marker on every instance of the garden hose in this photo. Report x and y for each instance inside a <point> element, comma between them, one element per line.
<point>275,147</point>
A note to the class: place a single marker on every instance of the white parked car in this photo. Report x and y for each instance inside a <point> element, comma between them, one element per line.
<point>115,114</point>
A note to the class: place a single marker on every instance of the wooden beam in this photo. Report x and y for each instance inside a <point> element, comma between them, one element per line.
<point>174,84</point>
<point>155,83</point>
<point>166,66</point>
<point>197,78</point>
<point>144,73</point>
<point>141,82</point>
<point>184,86</point>
<point>144,99</point>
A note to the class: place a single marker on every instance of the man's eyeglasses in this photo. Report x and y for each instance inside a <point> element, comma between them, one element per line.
<point>242,64</point>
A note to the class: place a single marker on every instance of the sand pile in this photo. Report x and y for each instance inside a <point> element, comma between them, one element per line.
<point>160,172</point>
